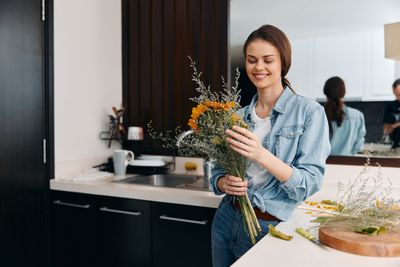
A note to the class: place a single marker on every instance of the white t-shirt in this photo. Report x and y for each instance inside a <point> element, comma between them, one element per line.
<point>261,128</point>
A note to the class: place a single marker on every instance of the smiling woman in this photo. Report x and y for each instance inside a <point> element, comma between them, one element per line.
<point>285,155</point>
<point>317,34</point>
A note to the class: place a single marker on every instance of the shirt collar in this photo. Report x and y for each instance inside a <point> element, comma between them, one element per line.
<point>279,107</point>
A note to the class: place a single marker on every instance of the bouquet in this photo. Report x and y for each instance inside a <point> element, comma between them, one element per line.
<point>214,113</point>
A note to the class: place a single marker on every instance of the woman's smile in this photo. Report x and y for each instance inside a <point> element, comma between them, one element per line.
<point>260,76</point>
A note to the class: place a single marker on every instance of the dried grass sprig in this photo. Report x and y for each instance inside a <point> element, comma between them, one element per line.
<point>366,204</point>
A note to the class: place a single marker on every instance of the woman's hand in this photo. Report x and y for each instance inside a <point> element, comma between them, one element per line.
<point>245,143</point>
<point>232,185</point>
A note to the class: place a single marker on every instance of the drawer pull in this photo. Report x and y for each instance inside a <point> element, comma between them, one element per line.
<point>165,217</point>
<point>134,213</point>
<point>59,202</point>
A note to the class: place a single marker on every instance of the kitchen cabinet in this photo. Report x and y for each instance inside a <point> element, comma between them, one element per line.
<point>356,57</point>
<point>73,235</point>
<point>181,235</point>
<point>25,144</point>
<point>90,230</point>
<point>124,232</point>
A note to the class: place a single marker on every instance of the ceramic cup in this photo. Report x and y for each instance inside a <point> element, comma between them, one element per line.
<point>121,159</point>
<point>135,133</point>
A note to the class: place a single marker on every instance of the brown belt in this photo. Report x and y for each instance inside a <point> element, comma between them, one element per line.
<point>259,214</point>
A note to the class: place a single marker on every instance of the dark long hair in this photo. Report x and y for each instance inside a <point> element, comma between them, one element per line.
<point>279,40</point>
<point>334,89</point>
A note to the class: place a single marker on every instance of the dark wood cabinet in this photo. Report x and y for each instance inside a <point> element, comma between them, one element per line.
<point>73,235</point>
<point>25,118</point>
<point>99,231</point>
<point>181,235</point>
<point>124,232</point>
<point>90,230</point>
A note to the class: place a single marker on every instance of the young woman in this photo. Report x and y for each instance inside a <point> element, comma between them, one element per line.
<point>346,125</point>
<point>286,146</point>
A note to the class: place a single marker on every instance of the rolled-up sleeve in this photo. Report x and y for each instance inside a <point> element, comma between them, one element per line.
<point>216,172</point>
<point>309,166</point>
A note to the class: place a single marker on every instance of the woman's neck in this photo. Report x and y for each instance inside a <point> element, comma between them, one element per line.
<point>266,100</point>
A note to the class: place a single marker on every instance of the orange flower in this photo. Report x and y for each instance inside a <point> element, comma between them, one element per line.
<point>219,105</point>
<point>230,105</point>
<point>196,112</point>
<point>192,124</point>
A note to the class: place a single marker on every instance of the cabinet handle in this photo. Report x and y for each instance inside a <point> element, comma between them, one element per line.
<point>135,213</point>
<point>165,217</point>
<point>59,202</point>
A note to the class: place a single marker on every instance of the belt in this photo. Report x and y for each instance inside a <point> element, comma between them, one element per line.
<point>259,214</point>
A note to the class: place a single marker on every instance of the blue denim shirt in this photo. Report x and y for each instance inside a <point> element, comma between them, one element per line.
<point>299,137</point>
<point>348,139</point>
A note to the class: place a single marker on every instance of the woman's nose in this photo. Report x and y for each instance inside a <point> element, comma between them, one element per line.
<point>259,65</point>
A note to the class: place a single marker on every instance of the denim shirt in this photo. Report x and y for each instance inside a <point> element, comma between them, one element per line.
<point>348,139</point>
<point>300,138</point>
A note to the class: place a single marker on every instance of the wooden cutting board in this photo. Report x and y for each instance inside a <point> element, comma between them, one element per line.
<point>383,245</point>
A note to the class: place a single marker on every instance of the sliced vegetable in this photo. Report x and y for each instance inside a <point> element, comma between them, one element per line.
<point>304,233</point>
<point>320,219</point>
<point>328,202</point>
<point>276,233</point>
<point>372,230</point>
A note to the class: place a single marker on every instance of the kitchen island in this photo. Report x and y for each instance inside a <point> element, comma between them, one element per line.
<point>300,252</point>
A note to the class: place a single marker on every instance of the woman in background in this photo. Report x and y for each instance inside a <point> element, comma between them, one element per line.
<point>286,145</point>
<point>346,125</point>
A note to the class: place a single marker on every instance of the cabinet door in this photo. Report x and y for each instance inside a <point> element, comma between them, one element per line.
<point>181,235</point>
<point>23,181</point>
<point>345,56</point>
<point>73,221</point>
<point>123,232</point>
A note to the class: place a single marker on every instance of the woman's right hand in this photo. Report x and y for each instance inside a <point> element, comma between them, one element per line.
<point>232,185</point>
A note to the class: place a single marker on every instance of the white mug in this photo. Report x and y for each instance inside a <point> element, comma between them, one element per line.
<point>121,159</point>
<point>135,133</point>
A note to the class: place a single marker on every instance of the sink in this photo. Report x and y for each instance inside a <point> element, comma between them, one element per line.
<point>168,180</point>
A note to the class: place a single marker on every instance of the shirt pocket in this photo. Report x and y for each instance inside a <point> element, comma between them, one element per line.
<point>288,142</point>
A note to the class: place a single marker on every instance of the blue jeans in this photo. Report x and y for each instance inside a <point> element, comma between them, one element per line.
<point>228,236</point>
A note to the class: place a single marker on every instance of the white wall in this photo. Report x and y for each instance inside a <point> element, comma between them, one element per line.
<point>87,77</point>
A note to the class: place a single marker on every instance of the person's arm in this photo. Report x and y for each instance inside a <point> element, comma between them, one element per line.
<point>388,128</point>
<point>304,177</point>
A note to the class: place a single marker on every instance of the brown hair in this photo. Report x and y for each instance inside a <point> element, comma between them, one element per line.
<point>334,89</point>
<point>396,83</point>
<point>280,41</point>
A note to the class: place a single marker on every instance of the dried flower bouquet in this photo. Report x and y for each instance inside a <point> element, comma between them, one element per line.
<point>214,114</point>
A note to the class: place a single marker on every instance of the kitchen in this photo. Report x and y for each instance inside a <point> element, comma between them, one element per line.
<point>88,81</point>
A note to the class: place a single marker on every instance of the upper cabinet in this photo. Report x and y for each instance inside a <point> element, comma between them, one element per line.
<point>356,57</point>
<point>158,37</point>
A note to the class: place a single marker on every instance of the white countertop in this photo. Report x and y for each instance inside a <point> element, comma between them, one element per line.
<point>300,252</point>
<point>104,187</point>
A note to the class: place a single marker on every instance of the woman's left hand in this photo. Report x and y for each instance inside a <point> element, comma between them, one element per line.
<point>245,143</point>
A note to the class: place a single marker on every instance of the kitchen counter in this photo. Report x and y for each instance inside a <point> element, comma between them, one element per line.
<point>301,252</point>
<point>105,187</point>
<point>270,250</point>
